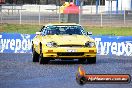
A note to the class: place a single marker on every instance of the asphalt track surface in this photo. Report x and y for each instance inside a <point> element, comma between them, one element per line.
<point>18,71</point>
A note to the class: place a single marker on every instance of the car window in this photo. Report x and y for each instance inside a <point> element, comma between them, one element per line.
<point>60,30</point>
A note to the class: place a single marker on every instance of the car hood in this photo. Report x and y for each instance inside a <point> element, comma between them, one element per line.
<point>67,39</point>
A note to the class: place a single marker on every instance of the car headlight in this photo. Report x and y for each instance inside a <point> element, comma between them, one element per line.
<point>89,44</point>
<point>51,44</point>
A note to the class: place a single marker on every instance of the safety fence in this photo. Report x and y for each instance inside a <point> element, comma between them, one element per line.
<point>106,45</point>
<point>40,15</point>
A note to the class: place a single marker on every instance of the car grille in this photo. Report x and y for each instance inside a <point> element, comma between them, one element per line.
<point>71,54</point>
<point>70,45</point>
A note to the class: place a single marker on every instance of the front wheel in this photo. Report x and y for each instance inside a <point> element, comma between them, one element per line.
<point>35,55</point>
<point>43,60</point>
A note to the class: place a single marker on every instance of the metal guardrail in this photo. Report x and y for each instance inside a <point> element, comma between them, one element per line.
<point>22,16</point>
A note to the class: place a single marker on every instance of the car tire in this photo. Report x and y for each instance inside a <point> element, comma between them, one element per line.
<point>42,60</point>
<point>35,55</point>
<point>91,60</point>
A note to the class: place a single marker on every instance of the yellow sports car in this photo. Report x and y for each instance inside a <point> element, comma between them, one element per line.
<point>64,41</point>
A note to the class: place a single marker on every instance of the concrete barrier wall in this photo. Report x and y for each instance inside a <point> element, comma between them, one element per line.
<point>106,45</point>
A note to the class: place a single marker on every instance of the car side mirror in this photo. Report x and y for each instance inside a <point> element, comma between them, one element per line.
<point>89,33</point>
<point>38,33</point>
<point>42,28</point>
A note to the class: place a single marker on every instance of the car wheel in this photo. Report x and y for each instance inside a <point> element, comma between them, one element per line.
<point>82,60</point>
<point>91,60</point>
<point>42,60</point>
<point>35,56</point>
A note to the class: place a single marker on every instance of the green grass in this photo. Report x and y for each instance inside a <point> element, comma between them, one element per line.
<point>24,29</point>
<point>118,31</point>
<point>32,29</point>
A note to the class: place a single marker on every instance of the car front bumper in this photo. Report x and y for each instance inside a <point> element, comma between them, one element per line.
<point>69,52</point>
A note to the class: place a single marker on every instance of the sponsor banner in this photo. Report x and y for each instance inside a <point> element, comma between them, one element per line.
<point>15,43</point>
<point>106,45</point>
<point>114,45</point>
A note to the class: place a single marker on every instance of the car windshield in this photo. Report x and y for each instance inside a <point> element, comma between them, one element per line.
<point>66,29</point>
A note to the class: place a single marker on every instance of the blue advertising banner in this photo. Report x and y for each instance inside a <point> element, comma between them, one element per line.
<point>114,45</point>
<point>15,43</point>
<point>106,45</point>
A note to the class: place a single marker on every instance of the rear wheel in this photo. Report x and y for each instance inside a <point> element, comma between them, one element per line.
<point>35,55</point>
<point>91,60</point>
